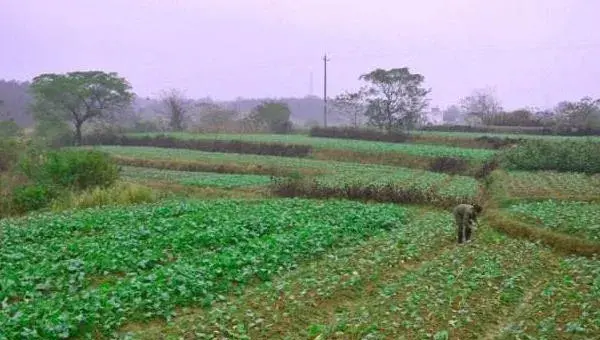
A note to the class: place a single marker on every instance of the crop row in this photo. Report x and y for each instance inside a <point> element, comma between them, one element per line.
<point>412,283</point>
<point>565,156</point>
<point>335,179</point>
<point>209,179</point>
<point>551,184</point>
<point>319,143</point>
<point>88,271</point>
<point>398,187</point>
<point>216,145</point>
<point>581,219</point>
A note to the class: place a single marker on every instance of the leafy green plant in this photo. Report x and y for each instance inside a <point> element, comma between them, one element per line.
<point>574,218</point>
<point>88,271</point>
<point>568,155</point>
<point>31,197</point>
<point>196,178</point>
<point>76,169</point>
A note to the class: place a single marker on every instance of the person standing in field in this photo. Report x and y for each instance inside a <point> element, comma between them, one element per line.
<point>466,217</point>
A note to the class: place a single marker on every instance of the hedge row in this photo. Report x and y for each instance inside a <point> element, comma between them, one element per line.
<point>225,146</point>
<point>361,134</point>
<point>390,192</point>
<point>554,131</point>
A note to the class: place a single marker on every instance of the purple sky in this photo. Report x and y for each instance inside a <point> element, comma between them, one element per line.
<point>531,52</point>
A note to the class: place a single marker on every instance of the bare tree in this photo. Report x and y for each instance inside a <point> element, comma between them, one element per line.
<point>175,107</point>
<point>481,103</point>
<point>351,105</point>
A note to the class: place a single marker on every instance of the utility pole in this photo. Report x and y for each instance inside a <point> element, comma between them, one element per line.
<point>310,84</point>
<point>325,60</point>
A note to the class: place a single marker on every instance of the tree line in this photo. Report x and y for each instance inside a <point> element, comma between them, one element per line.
<point>389,99</point>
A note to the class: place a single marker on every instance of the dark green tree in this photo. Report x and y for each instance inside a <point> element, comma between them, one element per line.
<point>395,98</point>
<point>275,116</point>
<point>80,97</point>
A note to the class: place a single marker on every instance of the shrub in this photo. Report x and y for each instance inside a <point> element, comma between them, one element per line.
<point>73,169</point>
<point>360,134</point>
<point>9,152</point>
<point>9,128</point>
<point>565,156</point>
<point>498,142</point>
<point>30,197</point>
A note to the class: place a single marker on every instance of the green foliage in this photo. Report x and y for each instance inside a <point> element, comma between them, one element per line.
<point>320,143</point>
<point>360,134</point>
<point>208,179</point>
<point>568,155</point>
<point>9,153</point>
<point>395,98</point>
<point>86,272</point>
<point>79,96</point>
<point>274,115</point>
<point>71,169</point>
<point>31,197</point>
<point>551,184</point>
<point>574,218</point>
<point>9,128</point>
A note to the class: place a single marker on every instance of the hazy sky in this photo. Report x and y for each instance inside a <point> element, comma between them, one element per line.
<point>532,52</point>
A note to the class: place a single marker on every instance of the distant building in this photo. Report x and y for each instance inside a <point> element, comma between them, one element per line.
<point>435,116</point>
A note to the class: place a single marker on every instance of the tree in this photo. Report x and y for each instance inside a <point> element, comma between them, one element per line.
<point>584,114</point>
<point>274,115</point>
<point>214,117</point>
<point>80,97</point>
<point>395,98</point>
<point>481,103</point>
<point>175,107</point>
<point>351,105</point>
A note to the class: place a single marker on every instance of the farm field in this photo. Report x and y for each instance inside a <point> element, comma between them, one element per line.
<point>275,267</point>
<point>474,135</point>
<point>423,150</point>
<point>337,174</point>
<point>203,179</point>
<point>141,262</point>
<point>581,219</point>
<point>522,184</point>
<point>410,284</point>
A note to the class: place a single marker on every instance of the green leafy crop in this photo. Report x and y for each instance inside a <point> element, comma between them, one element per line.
<point>574,218</point>
<point>88,271</point>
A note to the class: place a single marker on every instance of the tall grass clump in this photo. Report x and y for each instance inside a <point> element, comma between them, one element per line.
<point>564,156</point>
<point>119,194</point>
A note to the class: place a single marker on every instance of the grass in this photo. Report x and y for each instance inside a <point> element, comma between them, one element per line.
<point>122,193</point>
<point>86,272</point>
<point>201,179</point>
<point>421,150</point>
<point>581,219</point>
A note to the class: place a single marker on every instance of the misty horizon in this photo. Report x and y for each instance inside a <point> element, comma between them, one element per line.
<point>532,54</point>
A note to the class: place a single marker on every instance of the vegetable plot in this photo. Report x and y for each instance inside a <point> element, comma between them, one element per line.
<point>574,218</point>
<point>90,271</point>
<point>209,179</point>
